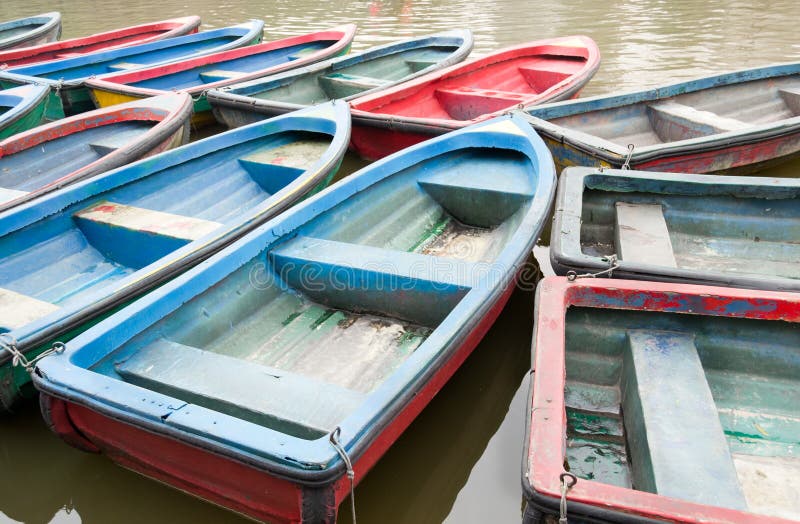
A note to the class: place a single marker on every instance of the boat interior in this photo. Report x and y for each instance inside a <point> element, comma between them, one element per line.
<point>746,230</point>
<point>300,335</point>
<point>101,240</point>
<point>483,88</point>
<point>701,113</point>
<point>348,78</point>
<point>695,407</point>
<point>229,69</point>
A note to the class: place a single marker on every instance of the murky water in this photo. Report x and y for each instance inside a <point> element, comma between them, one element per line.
<point>459,461</point>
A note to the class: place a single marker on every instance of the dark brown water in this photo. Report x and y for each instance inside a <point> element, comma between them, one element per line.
<point>460,460</point>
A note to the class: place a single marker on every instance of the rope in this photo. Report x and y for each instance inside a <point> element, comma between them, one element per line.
<point>567,481</point>
<point>613,264</point>
<point>627,165</point>
<point>18,358</point>
<point>350,473</point>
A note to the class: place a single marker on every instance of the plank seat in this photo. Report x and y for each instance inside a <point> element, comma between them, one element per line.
<point>340,85</point>
<point>68,55</point>
<point>7,195</point>
<point>791,97</point>
<point>673,121</point>
<point>543,75</point>
<point>677,445</point>
<point>302,53</point>
<point>17,310</point>
<point>273,168</point>
<point>641,235</point>
<point>279,399</point>
<point>115,139</point>
<point>476,197</point>
<point>124,66</point>
<point>218,75</point>
<point>355,277</point>
<point>419,63</point>
<point>465,103</point>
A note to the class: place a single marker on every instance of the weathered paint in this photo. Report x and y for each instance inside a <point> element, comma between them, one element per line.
<point>535,72</point>
<point>23,107</point>
<point>544,455</point>
<point>306,474</point>
<point>123,37</point>
<point>345,78</point>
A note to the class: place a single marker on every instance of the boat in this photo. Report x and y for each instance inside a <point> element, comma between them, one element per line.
<point>699,229</point>
<point>198,75</point>
<point>343,78</point>
<point>30,31</point>
<point>72,256</point>
<point>325,331</point>
<point>66,77</point>
<point>662,402</point>
<point>476,90</point>
<point>54,155</point>
<point>733,123</point>
<point>123,37</point>
<point>22,108</point>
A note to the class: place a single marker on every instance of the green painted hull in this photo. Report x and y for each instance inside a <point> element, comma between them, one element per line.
<point>34,117</point>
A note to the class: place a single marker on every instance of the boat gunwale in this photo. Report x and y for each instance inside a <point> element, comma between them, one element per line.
<point>33,95</point>
<point>53,23</point>
<point>566,253</point>
<point>176,106</point>
<point>180,26</point>
<point>73,314</point>
<point>616,153</point>
<point>234,96</point>
<point>316,462</point>
<point>546,403</point>
<point>343,34</point>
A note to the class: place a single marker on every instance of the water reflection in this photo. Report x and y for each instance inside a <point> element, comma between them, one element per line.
<point>461,456</point>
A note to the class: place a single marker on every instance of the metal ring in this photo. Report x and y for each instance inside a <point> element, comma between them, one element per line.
<point>569,476</point>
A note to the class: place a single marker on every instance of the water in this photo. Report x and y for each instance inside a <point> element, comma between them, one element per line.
<point>460,460</point>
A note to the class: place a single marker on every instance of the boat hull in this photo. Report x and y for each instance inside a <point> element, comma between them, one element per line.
<point>44,28</point>
<point>28,110</point>
<point>254,492</point>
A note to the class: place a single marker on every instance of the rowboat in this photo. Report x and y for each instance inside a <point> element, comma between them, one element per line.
<point>328,328</point>
<point>22,108</point>
<point>737,122</point>
<point>124,37</point>
<point>75,254</point>
<point>198,75</point>
<point>343,78</point>
<point>30,31</point>
<point>479,89</point>
<point>66,151</point>
<point>699,229</point>
<point>663,402</point>
<point>66,77</point>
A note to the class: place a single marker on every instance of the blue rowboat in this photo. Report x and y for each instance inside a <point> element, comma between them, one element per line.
<point>198,75</point>
<point>342,78</point>
<point>66,151</point>
<point>701,229</point>
<point>30,31</point>
<point>22,108</point>
<point>67,76</point>
<point>75,254</point>
<point>340,320</point>
<point>737,122</point>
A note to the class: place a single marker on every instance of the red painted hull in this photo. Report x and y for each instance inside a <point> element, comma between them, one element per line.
<point>232,484</point>
<point>477,90</point>
<point>127,36</point>
<point>546,418</point>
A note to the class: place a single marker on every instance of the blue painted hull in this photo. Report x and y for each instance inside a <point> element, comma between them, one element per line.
<point>341,317</point>
<point>66,76</point>
<point>79,252</point>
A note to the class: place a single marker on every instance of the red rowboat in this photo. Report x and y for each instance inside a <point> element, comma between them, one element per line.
<point>531,73</point>
<point>126,36</point>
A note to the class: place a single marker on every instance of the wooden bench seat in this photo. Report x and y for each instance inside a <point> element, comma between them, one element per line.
<point>419,63</point>
<point>7,195</point>
<point>465,103</point>
<point>543,75</point>
<point>279,399</point>
<point>791,97</point>
<point>115,139</point>
<point>641,235</point>
<point>677,444</point>
<point>125,66</point>
<point>273,168</point>
<point>341,85</point>
<point>218,75</point>
<point>17,310</point>
<point>673,121</point>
